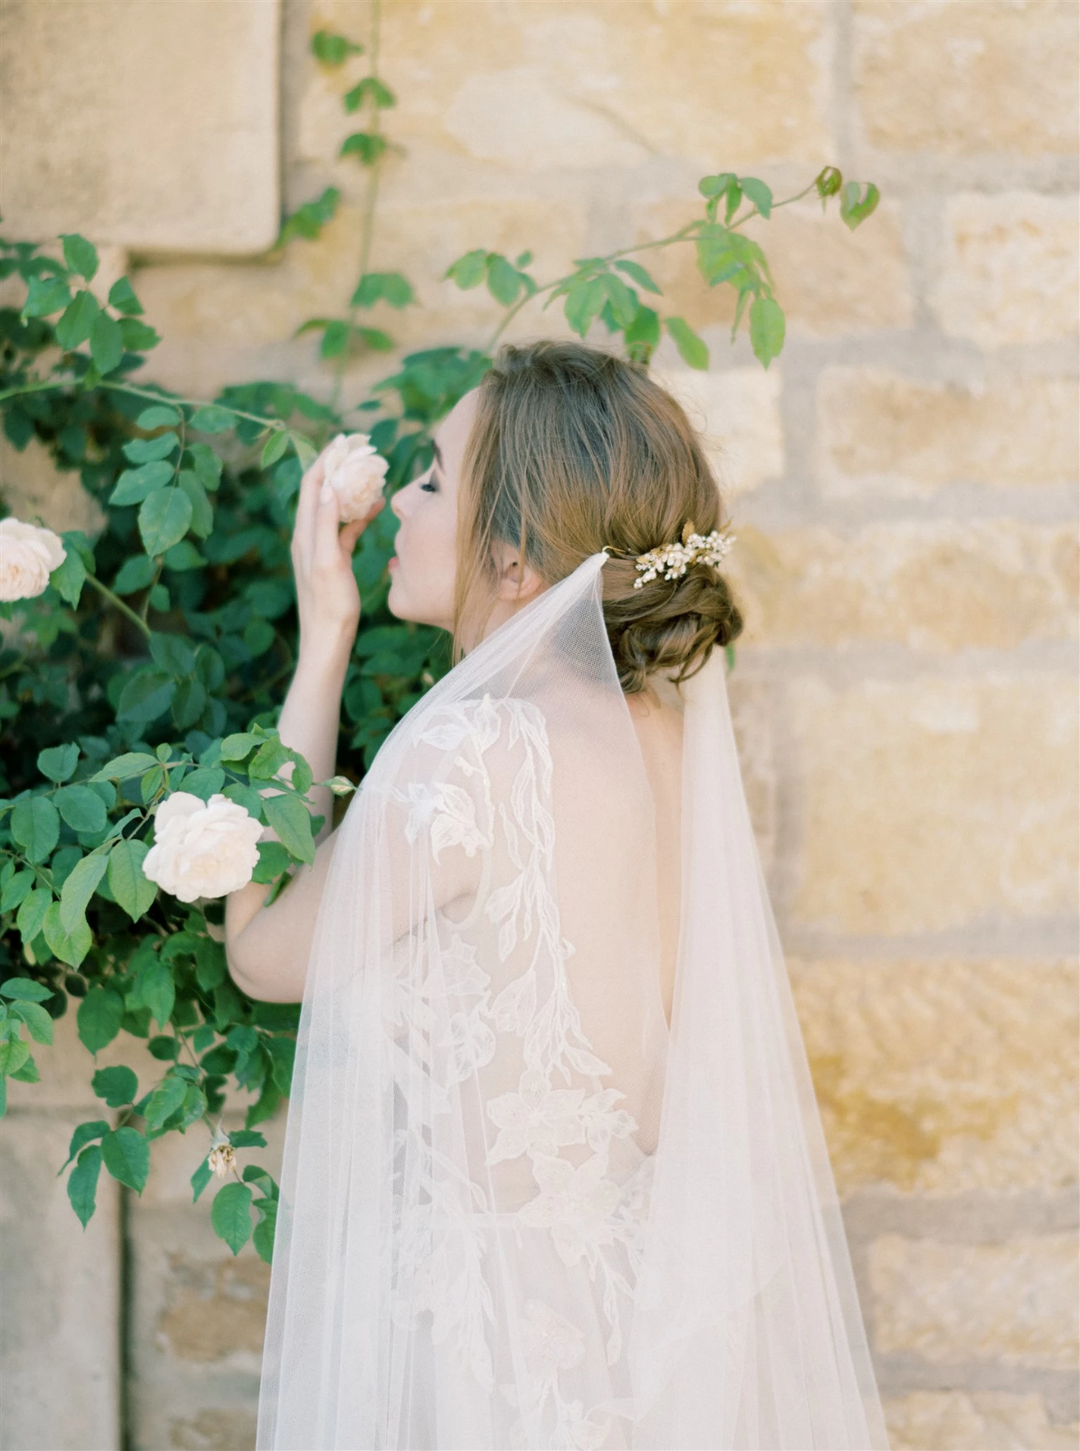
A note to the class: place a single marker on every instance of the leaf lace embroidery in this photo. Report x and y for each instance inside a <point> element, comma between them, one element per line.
<point>593,1221</point>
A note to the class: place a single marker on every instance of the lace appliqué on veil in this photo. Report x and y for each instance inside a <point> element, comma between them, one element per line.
<point>445,1025</point>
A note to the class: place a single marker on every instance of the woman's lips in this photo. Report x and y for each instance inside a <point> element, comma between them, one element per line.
<point>393,562</point>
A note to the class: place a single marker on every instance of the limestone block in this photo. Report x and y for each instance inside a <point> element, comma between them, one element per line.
<point>932,804</point>
<point>1010,268</point>
<point>924,72</point>
<point>938,586</point>
<point>60,1306</point>
<point>886,434</point>
<point>1015,1301</point>
<point>35,490</point>
<point>942,1076</point>
<point>829,281</point>
<point>197,1325</point>
<point>537,84</point>
<point>991,1420</point>
<point>178,151</point>
<point>753,716</point>
<point>737,410</point>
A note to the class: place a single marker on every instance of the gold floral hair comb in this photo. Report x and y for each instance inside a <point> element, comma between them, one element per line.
<point>673,560</point>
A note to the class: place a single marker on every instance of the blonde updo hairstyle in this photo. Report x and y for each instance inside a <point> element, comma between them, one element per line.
<point>573,449</point>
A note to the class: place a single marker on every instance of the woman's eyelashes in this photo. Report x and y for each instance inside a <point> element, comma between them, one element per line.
<point>431,484</point>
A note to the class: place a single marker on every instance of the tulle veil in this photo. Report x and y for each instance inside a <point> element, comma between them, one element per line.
<point>517,1208</point>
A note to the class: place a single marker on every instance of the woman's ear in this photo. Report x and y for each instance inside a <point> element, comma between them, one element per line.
<point>518,583</point>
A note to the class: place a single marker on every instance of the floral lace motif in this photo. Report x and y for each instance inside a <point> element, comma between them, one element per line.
<point>594,1222</point>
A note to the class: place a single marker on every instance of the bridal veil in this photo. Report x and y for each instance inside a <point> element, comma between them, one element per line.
<point>517,1209</point>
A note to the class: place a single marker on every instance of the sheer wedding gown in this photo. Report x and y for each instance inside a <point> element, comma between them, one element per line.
<point>517,1210</point>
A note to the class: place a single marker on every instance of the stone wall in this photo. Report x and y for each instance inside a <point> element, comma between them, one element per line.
<point>903,482</point>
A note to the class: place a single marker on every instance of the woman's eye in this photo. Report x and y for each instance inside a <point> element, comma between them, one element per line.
<point>430,485</point>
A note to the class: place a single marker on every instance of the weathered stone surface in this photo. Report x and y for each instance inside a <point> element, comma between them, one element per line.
<point>934,804</point>
<point>214,1431</point>
<point>924,72</point>
<point>738,412</point>
<point>942,1076</point>
<point>182,154</point>
<point>829,281</point>
<point>753,715</point>
<point>955,1421</point>
<point>884,433</point>
<point>952,1302</point>
<point>61,1298</point>
<point>693,80</point>
<point>1010,268</point>
<point>937,586</point>
<point>66,1068</point>
<point>35,490</point>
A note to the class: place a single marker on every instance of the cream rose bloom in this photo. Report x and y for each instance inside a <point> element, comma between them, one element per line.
<point>28,555</point>
<point>202,848</point>
<point>355,471</point>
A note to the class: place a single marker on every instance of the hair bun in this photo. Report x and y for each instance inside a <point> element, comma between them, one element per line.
<point>669,625</point>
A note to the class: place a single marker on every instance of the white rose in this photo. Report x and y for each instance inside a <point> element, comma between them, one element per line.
<point>28,555</point>
<point>356,474</point>
<point>202,848</point>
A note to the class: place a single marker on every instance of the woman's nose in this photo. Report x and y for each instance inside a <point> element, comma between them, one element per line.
<point>397,500</point>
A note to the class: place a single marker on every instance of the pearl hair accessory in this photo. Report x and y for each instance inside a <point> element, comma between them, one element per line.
<point>673,560</point>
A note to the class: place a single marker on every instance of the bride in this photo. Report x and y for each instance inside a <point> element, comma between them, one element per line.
<point>554,1175</point>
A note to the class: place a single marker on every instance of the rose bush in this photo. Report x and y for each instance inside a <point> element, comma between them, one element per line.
<point>141,773</point>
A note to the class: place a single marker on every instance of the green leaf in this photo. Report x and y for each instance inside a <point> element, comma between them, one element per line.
<point>147,694</point>
<point>69,577</point>
<point>758,193</point>
<point>766,329</point>
<point>468,271</point>
<point>134,574</point>
<point>133,485</point>
<point>710,186</point>
<point>126,880</point>
<point>182,556</point>
<point>82,1183</point>
<point>638,273</point>
<point>309,219</point>
<point>78,320</point>
<point>624,303</point>
<point>136,336</point>
<point>206,464</point>
<point>163,519</point>
<point>58,762</point>
<point>28,1073</point>
<point>70,946</point>
<point>46,295</point>
<point>164,1101</point>
<point>691,348</point>
<point>31,914</point>
<point>81,807</point>
<point>165,1048</point>
<point>156,990</point>
<point>370,88</point>
<point>239,745</point>
<point>366,146</point>
<point>13,1054</point>
<point>201,1177</point>
<point>80,886</point>
<point>247,1139</point>
<point>106,343</point>
<point>15,892</point>
<point>122,297</point>
<point>282,1054</point>
<point>127,1157</point>
<point>331,48</point>
<point>160,415</point>
<point>503,280</point>
<point>212,418</point>
<point>84,1134</point>
<point>584,299</point>
<point>305,452</point>
<point>116,1086</point>
<point>290,818</point>
<point>150,450</point>
<point>79,255</point>
<point>122,768</point>
<point>189,703</point>
<point>230,1215</point>
<point>335,339</point>
<point>172,653</point>
<point>388,287</point>
<point>854,207</point>
<point>274,448</point>
<point>98,1017</point>
<point>210,964</point>
<point>25,990</point>
<point>263,1236</point>
<point>202,511</point>
<point>36,1019</point>
<point>35,825</point>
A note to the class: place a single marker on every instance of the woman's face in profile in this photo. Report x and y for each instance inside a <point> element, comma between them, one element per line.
<point>423,566</point>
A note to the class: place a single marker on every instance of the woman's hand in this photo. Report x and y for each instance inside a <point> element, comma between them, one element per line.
<point>327,599</point>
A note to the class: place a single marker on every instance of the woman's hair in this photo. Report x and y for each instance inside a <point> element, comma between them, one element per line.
<point>573,449</point>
